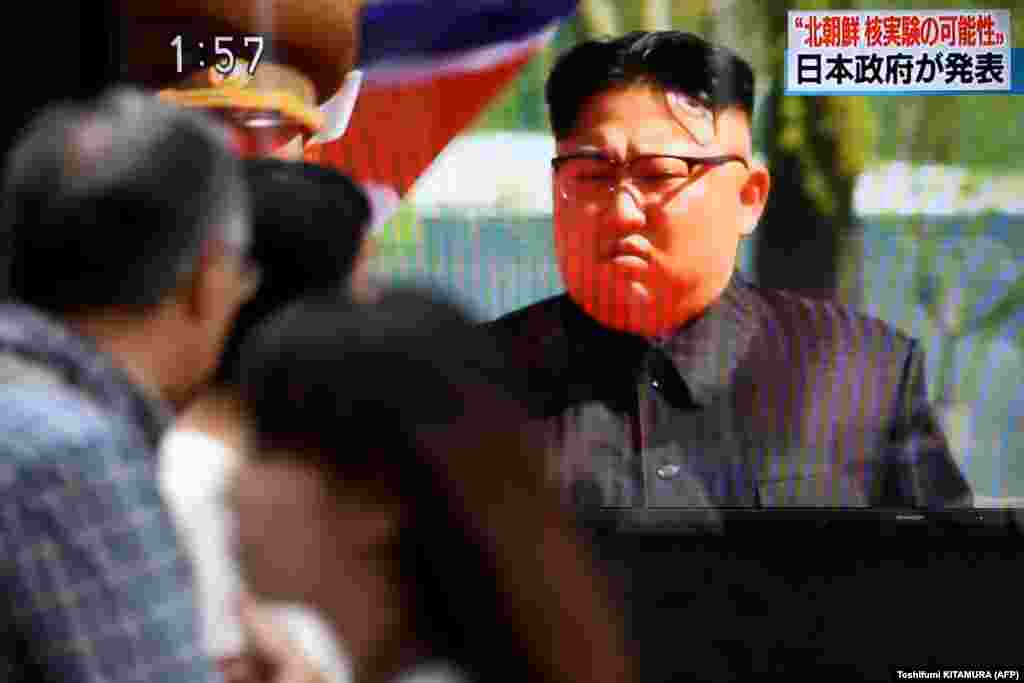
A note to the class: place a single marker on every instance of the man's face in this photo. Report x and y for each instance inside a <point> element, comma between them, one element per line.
<point>641,261</point>
<point>281,533</point>
<point>297,539</point>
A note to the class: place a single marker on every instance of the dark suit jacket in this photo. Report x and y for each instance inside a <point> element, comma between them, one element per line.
<point>767,399</point>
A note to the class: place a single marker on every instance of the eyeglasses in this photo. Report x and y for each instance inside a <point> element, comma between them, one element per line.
<point>259,133</point>
<point>588,177</point>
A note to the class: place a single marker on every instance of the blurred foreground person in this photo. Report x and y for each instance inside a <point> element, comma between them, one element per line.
<point>127,222</point>
<point>389,484</point>
<point>308,225</point>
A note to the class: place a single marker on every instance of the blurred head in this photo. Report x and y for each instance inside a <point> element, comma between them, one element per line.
<point>368,398</point>
<point>308,227</point>
<point>645,242</point>
<point>382,453</point>
<point>129,210</point>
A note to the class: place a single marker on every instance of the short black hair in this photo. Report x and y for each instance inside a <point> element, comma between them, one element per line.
<point>308,223</point>
<point>324,357</point>
<point>674,60</point>
<point>108,203</point>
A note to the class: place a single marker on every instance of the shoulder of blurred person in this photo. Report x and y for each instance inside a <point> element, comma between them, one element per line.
<point>81,511</point>
<point>36,349</point>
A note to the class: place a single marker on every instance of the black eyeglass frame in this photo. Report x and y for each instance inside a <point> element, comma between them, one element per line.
<point>718,160</point>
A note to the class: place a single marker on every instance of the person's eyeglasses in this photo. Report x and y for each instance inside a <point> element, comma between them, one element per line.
<point>588,177</point>
<point>259,133</point>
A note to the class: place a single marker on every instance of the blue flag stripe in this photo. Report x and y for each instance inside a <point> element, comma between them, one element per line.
<point>411,28</point>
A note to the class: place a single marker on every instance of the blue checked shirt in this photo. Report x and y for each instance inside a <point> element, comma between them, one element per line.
<point>93,586</point>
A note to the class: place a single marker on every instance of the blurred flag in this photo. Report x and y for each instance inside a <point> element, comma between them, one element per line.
<point>428,69</point>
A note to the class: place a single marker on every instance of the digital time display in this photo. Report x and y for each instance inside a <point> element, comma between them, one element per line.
<point>217,51</point>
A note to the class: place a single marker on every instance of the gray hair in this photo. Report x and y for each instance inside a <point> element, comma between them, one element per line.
<point>110,204</point>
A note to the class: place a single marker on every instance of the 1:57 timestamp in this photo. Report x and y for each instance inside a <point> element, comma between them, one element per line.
<point>218,51</point>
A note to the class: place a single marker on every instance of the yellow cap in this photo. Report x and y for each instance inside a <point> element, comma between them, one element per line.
<point>271,89</point>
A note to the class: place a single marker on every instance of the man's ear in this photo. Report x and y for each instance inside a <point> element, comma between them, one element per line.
<point>204,293</point>
<point>753,196</point>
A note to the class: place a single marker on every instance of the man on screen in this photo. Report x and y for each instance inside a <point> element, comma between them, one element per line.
<point>667,378</point>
